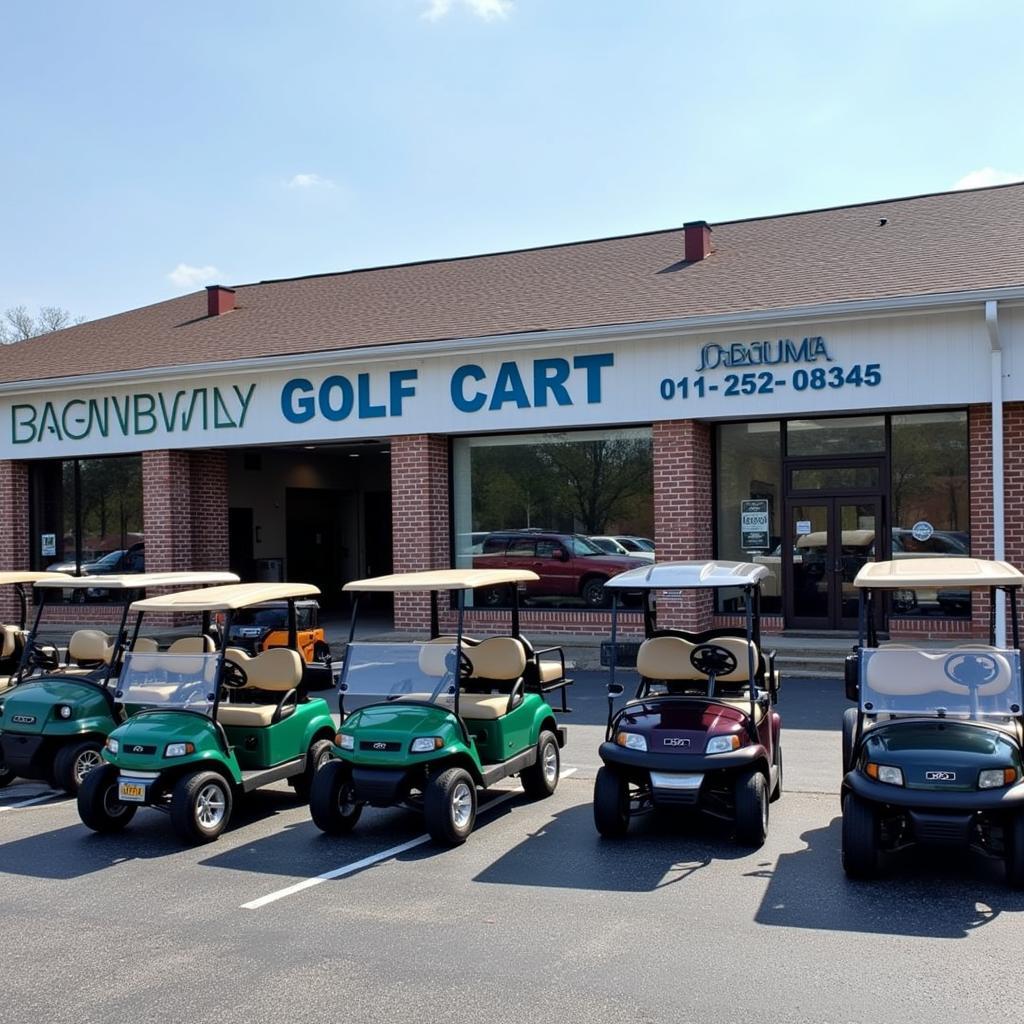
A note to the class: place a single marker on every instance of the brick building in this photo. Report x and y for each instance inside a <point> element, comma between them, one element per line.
<point>809,391</point>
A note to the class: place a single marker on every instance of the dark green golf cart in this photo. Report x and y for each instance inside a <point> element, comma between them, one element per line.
<point>425,725</point>
<point>205,728</point>
<point>932,752</point>
<point>61,706</point>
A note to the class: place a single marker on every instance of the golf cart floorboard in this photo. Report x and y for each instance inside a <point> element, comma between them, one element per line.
<point>492,773</point>
<point>255,778</point>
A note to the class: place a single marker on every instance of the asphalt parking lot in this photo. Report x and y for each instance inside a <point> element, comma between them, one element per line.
<point>534,919</point>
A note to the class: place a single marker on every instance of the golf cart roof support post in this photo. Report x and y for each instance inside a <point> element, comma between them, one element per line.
<point>458,647</point>
<point>293,626</point>
<point>750,662</point>
<point>872,632</point>
<point>229,616</point>
<point>135,631</point>
<point>992,616</point>
<point>121,641</point>
<point>515,612</point>
<point>204,625</point>
<point>435,626</point>
<point>352,621</point>
<point>30,639</point>
<point>615,657</point>
<point>1014,619</point>
<point>648,618</point>
<point>19,589</point>
<point>77,478</point>
<point>998,488</point>
<point>861,616</point>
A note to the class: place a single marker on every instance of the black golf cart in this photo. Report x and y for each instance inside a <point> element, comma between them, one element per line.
<point>932,752</point>
<point>700,731</point>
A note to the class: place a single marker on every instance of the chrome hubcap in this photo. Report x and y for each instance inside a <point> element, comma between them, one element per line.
<point>322,760</point>
<point>462,805</point>
<point>111,804</point>
<point>550,763</point>
<point>87,760</point>
<point>210,805</point>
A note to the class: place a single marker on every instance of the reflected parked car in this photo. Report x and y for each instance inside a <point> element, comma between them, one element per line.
<point>129,560</point>
<point>614,546</point>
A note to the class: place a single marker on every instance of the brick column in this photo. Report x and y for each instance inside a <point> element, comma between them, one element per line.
<point>14,537</point>
<point>420,524</point>
<point>167,510</point>
<point>683,510</point>
<point>209,474</point>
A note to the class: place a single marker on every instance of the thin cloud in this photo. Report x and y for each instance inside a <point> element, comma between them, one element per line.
<point>985,177</point>
<point>488,10</point>
<point>308,181</point>
<point>188,278</point>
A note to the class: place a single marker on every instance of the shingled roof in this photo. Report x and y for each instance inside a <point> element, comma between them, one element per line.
<point>946,242</point>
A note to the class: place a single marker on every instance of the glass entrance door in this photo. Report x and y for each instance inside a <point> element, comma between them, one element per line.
<point>829,539</point>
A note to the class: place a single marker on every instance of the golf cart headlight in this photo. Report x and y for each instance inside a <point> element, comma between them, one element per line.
<point>885,773</point>
<point>720,744</point>
<point>631,741</point>
<point>179,749</point>
<point>345,741</point>
<point>64,711</point>
<point>426,744</point>
<point>113,746</point>
<point>993,778</point>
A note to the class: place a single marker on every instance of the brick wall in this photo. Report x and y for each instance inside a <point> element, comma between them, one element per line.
<point>683,514</point>
<point>14,538</point>
<point>420,518</point>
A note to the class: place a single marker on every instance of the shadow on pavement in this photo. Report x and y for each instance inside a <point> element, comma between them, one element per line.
<point>930,893</point>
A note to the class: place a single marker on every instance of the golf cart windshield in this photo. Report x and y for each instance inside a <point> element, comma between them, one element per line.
<point>977,683</point>
<point>174,681</point>
<point>417,672</point>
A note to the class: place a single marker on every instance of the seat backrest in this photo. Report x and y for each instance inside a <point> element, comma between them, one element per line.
<point>741,649</point>
<point>278,670</point>
<point>192,645</point>
<point>914,673</point>
<point>501,658</point>
<point>666,657</point>
<point>12,639</point>
<point>90,645</point>
<point>145,645</point>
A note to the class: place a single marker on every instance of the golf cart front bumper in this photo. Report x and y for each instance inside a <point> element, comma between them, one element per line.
<point>1006,799</point>
<point>380,787</point>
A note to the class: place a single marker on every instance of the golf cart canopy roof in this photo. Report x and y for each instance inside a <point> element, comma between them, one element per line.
<point>19,576</point>
<point>136,580</point>
<point>682,575</point>
<point>224,599</point>
<point>963,573</point>
<point>443,579</point>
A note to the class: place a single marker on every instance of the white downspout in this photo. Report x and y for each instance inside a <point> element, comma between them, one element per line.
<point>998,523</point>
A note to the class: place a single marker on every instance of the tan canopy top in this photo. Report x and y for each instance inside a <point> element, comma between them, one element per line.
<point>223,599</point>
<point>687,575</point>
<point>963,573</point>
<point>444,579</point>
<point>19,576</point>
<point>135,580</point>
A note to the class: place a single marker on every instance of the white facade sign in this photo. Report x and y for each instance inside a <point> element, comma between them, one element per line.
<point>755,525</point>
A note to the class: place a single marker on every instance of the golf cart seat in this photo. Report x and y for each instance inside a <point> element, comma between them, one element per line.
<point>12,640</point>
<point>914,673</point>
<point>278,670</point>
<point>145,645</point>
<point>192,645</point>
<point>89,648</point>
<point>498,663</point>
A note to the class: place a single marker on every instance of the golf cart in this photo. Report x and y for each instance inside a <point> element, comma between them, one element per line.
<point>425,724</point>
<point>700,731</point>
<point>932,752</point>
<point>13,638</point>
<point>56,716</point>
<point>210,725</point>
<point>267,625</point>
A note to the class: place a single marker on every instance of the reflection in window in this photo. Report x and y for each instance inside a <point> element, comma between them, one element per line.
<point>837,435</point>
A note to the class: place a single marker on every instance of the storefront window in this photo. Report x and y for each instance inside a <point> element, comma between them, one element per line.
<point>86,517</point>
<point>533,501</point>
<point>838,435</point>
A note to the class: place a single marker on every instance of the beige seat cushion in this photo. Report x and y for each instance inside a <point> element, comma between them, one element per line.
<point>550,671</point>
<point>482,706</point>
<point>9,637</point>
<point>251,715</point>
<point>192,645</point>
<point>145,645</point>
<point>90,645</point>
<point>5,683</point>
<point>666,657</point>
<point>498,657</point>
<point>277,670</point>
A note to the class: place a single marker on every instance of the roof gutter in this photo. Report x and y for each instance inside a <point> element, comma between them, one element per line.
<point>998,485</point>
<point>652,330</point>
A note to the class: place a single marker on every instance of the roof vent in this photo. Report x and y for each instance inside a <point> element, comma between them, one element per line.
<point>697,240</point>
<point>219,299</point>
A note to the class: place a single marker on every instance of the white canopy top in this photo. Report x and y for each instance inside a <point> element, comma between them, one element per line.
<point>680,575</point>
<point>137,580</point>
<point>223,599</point>
<point>444,579</point>
<point>964,573</point>
<point>19,576</point>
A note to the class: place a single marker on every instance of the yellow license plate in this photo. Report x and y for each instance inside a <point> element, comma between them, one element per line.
<point>131,791</point>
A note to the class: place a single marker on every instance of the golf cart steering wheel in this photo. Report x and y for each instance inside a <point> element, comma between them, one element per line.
<point>233,676</point>
<point>710,659</point>
<point>44,658</point>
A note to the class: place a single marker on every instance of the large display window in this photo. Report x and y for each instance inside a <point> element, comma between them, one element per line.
<point>574,507</point>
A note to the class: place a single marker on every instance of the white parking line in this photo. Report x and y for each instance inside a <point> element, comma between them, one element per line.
<point>33,800</point>
<point>348,869</point>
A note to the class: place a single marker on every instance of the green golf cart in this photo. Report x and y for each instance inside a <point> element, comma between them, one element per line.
<point>424,725</point>
<point>61,706</point>
<point>207,727</point>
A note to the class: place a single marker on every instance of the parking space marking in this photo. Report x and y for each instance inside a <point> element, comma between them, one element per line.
<point>358,865</point>
<point>32,800</point>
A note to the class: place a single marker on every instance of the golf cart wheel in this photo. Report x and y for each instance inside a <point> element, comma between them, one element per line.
<point>317,756</point>
<point>73,762</point>
<point>751,796</point>
<point>98,806</point>
<point>541,778</point>
<point>593,594</point>
<point>449,806</point>
<point>611,803</point>
<point>860,838</point>
<point>849,730</point>
<point>201,806</point>
<point>331,799</point>
<point>6,776</point>
<point>1014,842</point>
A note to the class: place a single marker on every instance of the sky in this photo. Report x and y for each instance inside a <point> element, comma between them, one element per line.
<point>153,148</point>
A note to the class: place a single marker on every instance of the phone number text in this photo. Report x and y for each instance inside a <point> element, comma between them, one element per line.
<point>764,382</point>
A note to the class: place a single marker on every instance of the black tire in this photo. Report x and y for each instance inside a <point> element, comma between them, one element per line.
<point>1014,842</point>
<point>860,838</point>
<point>331,803</point>
<point>850,716</point>
<point>751,795</point>
<point>777,792</point>
<point>540,780</point>
<point>201,806</point>
<point>6,776</point>
<point>73,763</point>
<point>98,806</point>
<point>449,806</point>
<point>317,756</point>
<point>611,803</point>
<point>594,594</point>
